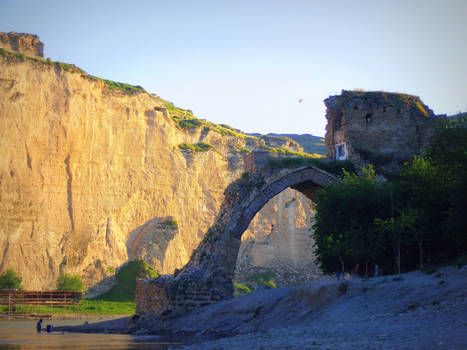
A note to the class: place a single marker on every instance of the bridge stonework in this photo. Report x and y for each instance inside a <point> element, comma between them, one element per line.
<point>207,277</point>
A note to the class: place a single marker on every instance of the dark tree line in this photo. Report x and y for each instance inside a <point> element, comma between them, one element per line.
<point>416,218</point>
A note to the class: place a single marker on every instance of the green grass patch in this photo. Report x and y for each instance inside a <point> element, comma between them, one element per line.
<point>169,223</point>
<point>186,120</point>
<point>266,279</point>
<point>126,281</point>
<point>242,289</point>
<point>334,167</point>
<point>116,86</point>
<point>112,85</point>
<point>197,147</point>
<point>286,152</point>
<point>20,57</point>
<point>85,306</point>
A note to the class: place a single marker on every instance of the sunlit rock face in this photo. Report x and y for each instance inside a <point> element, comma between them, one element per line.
<point>85,170</point>
<point>91,177</point>
<point>279,240</point>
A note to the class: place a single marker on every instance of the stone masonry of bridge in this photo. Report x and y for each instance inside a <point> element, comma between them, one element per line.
<point>207,277</point>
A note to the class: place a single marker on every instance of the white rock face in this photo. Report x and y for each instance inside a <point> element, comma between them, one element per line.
<point>279,240</point>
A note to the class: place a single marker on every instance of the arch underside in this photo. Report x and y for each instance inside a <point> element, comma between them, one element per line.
<point>304,180</point>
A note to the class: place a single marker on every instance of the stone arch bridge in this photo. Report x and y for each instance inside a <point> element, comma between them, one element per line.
<point>207,277</point>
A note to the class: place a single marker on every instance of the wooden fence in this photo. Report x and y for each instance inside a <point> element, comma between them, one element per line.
<point>21,303</point>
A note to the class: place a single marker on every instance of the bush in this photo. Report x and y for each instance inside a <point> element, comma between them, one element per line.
<point>126,281</point>
<point>70,282</point>
<point>10,280</point>
<point>198,147</point>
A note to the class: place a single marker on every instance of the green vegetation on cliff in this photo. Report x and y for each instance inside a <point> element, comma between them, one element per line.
<point>197,147</point>
<point>112,85</point>
<point>186,120</point>
<point>126,281</point>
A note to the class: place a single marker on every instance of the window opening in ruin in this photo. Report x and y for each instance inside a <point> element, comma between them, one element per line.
<point>338,121</point>
<point>368,118</point>
<point>341,151</point>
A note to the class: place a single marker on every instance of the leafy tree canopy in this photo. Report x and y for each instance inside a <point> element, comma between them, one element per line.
<point>10,280</point>
<point>70,282</point>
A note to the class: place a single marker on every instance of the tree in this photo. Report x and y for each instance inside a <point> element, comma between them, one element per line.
<point>344,230</point>
<point>70,282</point>
<point>10,280</point>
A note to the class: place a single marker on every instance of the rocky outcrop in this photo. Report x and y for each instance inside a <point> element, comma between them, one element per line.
<point>28,44</point>
<point>385,129</point>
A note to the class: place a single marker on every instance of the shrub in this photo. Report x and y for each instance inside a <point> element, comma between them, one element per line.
<point>70,282</point>
<point>170,223</point>
<point>126,281</point>
<point>198,147</point>
<point>265,279</point>
<point>10,280</point>
<point>242,289</point>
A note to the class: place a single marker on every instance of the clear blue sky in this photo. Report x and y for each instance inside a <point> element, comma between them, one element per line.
<point>247,63</point>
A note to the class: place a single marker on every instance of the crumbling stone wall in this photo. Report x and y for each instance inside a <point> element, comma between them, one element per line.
<point>385,129</point>
<point>28,44</point>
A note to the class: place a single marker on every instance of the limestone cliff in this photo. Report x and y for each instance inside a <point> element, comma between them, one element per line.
<point>93,173</point>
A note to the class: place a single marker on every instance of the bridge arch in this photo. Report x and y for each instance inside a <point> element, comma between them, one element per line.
<point>305,180</point>
<point>207,277</point>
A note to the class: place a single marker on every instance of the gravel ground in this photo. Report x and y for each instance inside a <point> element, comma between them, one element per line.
<point>419,311</point>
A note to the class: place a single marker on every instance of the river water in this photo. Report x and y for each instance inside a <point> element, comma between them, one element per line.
<point>22,335</point>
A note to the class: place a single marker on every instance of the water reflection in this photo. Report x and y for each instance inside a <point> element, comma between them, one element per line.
<point>22,335</point>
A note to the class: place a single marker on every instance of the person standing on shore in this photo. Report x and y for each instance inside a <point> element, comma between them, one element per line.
<point>39,325</point>
<point>356,271</point>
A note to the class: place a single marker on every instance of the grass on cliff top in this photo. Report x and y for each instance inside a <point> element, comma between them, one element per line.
<point>126,281</point>
<point>285,152</point>
<point>334,167</point>
<point>112,85</point>
<point>186,120</point>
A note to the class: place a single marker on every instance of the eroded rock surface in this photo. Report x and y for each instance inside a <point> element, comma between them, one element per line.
<point>28,44</point>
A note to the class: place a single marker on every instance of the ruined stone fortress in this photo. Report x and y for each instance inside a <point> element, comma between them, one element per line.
<point>379,128</point>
